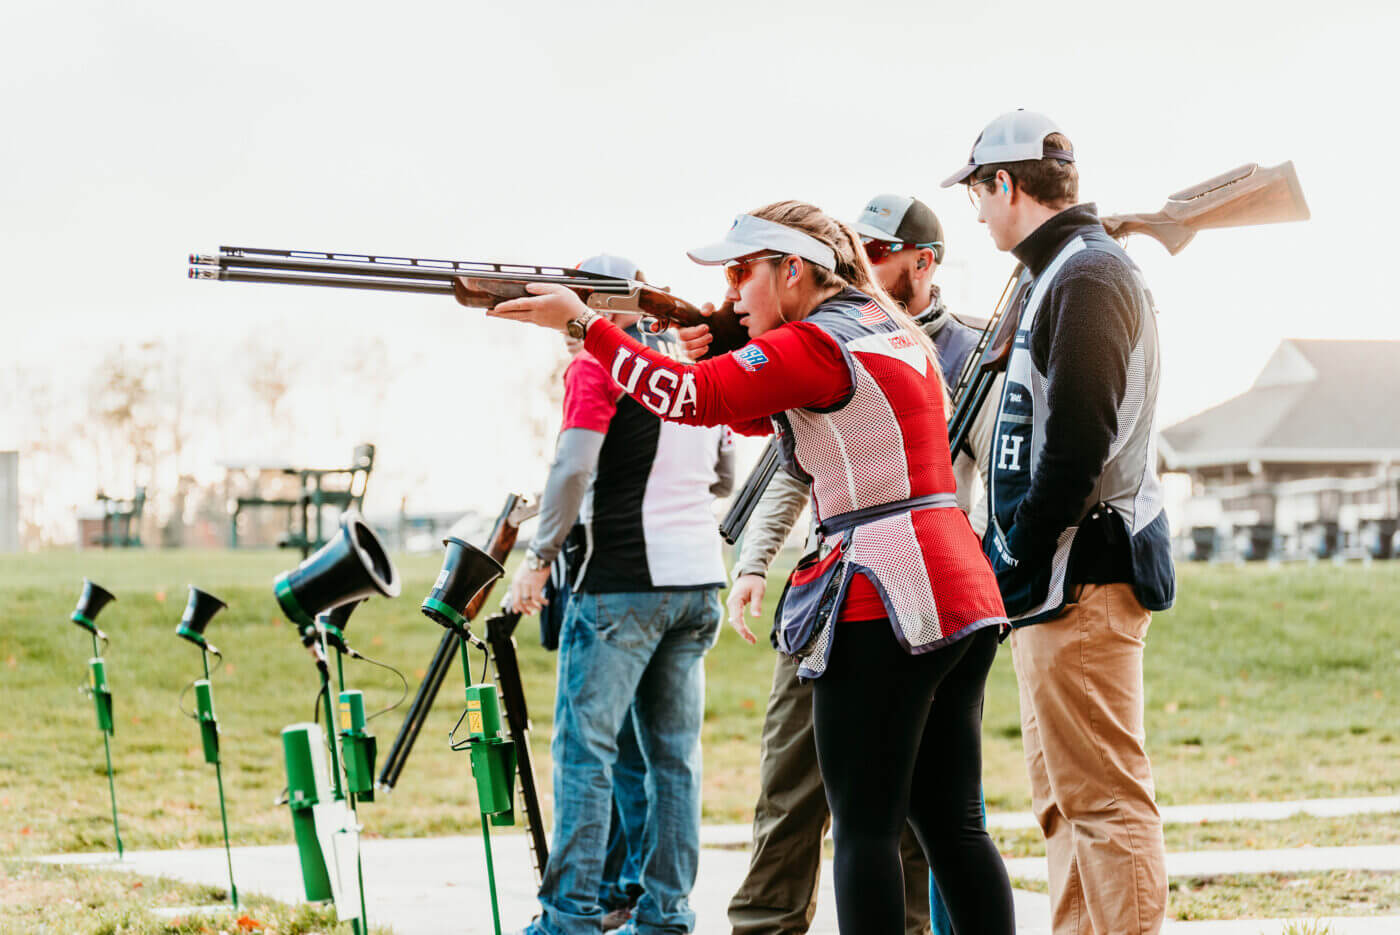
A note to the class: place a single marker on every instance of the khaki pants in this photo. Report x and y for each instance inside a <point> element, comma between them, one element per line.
<point>779,894</point>
<point>1080,678</point>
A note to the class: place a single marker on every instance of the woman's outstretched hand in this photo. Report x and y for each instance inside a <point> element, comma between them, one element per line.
<point>551,306</point>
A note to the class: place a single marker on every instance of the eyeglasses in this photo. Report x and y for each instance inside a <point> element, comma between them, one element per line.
<point>880,250</point>
<point>974,195</point>
<point>736,272</point>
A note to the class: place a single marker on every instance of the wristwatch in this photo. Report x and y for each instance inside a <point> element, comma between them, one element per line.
<point>532,558</point>
<point>578,327</point>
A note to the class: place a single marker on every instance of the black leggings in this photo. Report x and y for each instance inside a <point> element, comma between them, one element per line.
<point>899,737</point>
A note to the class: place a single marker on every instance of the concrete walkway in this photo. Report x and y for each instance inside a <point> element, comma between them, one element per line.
<point>437,886</point>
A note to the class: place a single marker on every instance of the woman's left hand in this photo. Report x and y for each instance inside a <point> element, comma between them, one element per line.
<point>550,306</point>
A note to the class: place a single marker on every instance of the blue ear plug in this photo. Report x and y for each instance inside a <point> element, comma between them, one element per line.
<point>1004,189</point>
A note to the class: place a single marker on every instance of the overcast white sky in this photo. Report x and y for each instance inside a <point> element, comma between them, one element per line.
<point>135,133</point>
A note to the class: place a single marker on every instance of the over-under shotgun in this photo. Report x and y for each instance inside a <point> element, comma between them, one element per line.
<point>474,284</point>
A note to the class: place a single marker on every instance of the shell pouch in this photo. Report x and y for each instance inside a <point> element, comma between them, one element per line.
<point>809,599</point>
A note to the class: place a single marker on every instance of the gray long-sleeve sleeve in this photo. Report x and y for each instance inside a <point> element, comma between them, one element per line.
<point>773,518</point>
<point>575,460</point>
<point>724,467</point>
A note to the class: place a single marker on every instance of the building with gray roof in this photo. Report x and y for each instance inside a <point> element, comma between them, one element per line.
<point>1305,462</point>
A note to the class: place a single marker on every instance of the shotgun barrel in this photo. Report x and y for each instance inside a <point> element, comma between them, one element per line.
<point>742,506</point>
<point>375,283</point>
<point>357,265</point>
<point>988,360</point>
<point>970,365</point>
<point>417,715</point>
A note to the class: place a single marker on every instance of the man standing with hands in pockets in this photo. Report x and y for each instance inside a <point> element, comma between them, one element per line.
<point>1076,532</point>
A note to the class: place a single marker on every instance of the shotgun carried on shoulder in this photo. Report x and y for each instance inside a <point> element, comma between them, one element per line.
<point>1242,197</point>
<point>473,284</point>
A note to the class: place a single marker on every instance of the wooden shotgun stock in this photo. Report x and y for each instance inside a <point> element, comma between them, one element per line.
<point>1241,197</point>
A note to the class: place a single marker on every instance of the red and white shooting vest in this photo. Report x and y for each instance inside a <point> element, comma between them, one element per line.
<point>884,493</point>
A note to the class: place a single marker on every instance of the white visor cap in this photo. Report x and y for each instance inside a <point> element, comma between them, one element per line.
<point>749,234</point>
<point>1016,136</point>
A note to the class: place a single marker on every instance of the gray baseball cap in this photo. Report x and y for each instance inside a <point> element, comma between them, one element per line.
<point>605,264</point>
<point>903,219</point>
<point>1017,136</point>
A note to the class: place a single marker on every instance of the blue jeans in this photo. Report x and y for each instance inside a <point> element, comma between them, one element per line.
<point>644,652</point>
<point>622,868</point>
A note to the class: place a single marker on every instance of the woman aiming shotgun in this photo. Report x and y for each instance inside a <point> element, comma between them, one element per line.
<point>895,617</point>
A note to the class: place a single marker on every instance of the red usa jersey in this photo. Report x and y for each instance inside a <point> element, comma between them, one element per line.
<point>859,409</point>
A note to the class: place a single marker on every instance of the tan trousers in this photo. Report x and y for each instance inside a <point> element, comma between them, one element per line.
<point>779,894</point>
<point>1080,678</point>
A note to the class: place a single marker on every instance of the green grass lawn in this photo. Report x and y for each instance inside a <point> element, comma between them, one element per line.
<point>1276,896</point>
<point>1262,684</point>
<point>43,898</point>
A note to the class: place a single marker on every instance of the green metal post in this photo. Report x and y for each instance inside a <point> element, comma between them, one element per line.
<point>111,783</point>
<point>360,926</point>
<point>223,810</point>
<point>485,823</point>
<point>330,726</point>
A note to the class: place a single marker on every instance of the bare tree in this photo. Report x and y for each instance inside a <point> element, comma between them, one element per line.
<point>123,408</point>
<point>268,372</point>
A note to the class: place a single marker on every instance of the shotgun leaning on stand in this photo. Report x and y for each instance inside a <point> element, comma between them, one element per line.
<point>1242,197</point>
<point>499,630</point>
